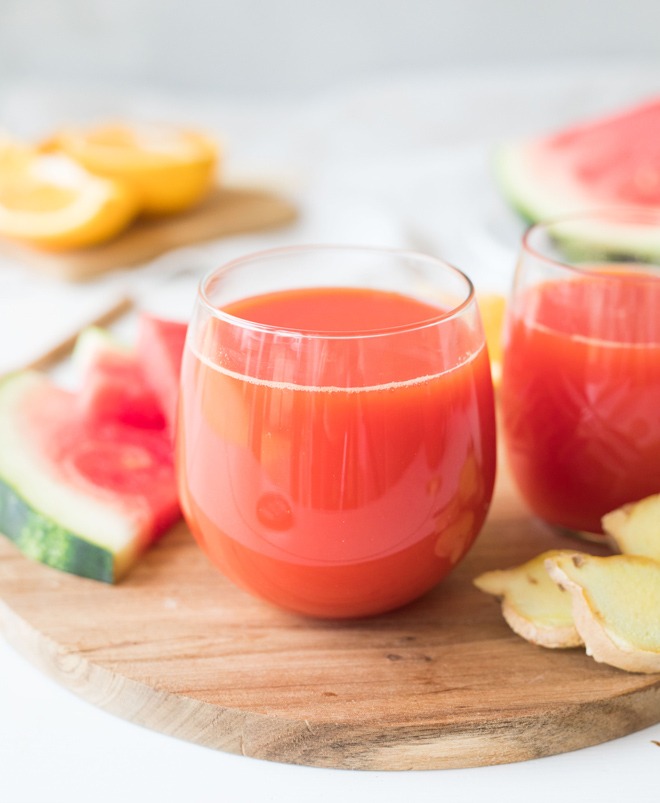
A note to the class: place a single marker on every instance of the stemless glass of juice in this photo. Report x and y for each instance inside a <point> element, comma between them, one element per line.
<point>580,390</point>
<point>336,439</point>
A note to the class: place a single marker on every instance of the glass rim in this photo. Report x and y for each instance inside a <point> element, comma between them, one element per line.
<point>324,334</point>
<point>625,216</point>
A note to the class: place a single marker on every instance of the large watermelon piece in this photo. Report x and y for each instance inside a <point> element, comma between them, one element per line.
<point>82,493</point>
<point>600,164</point>
<point>159,351</point>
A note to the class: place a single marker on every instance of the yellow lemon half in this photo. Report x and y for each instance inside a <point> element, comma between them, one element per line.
<point>51,202</point>
<point>169,169</point>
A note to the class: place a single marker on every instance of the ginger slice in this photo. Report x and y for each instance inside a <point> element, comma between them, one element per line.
<point>635,528</point>
<point>616,606</point>
<point>533,606</point>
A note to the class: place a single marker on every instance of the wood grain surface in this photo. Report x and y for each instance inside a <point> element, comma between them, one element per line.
<point>440,683</point>
<point>228,210</point>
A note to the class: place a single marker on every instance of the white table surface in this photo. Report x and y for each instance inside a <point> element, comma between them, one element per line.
<point>401,163</point>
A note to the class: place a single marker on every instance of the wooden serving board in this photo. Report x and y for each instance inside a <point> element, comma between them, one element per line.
<point>227,210</point>
<point>441,683</point>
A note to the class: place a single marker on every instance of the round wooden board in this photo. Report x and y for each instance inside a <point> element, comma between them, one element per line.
<point>441,683</point>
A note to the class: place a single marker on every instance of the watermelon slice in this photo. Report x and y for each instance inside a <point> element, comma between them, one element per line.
<point>113,386</point>
<point>81,494</point>
<point>601,164</point>
<point>159,352</point>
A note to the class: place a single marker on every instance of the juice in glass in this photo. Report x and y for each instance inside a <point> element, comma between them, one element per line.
<point>580,392</point>
<point>336,445</point>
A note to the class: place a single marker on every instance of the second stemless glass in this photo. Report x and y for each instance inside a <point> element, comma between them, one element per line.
<point>580,390</point>
<point>336,439</point>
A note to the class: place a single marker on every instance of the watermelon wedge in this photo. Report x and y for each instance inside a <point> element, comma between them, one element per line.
<point>600,164</point>
<point>113,385</point>
<point>159,352</point>
<point>84,494</point>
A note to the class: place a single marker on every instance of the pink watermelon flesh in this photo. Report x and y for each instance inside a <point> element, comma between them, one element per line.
<point>126,466</point>
<point>159,351</point>
<point>605,163</point>
<point>115,390</point>
<point>617,158</point>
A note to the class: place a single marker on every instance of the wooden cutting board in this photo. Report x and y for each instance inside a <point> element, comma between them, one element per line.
<point>227,210</point>
<point>441,683</point>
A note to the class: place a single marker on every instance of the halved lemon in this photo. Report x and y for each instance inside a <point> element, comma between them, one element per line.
<point>50,201</point>
<point>170,169</point>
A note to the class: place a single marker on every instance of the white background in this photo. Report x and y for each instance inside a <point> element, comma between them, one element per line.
<point>261,47</point>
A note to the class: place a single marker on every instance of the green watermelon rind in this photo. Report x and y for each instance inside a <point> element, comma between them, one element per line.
<point>512,177</point>
<point>536,200</point>
<point>44,540</point>
<point>47,518</point>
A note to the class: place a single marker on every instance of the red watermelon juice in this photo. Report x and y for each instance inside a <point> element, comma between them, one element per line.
<point>581,395</point>
<point>351,479</point>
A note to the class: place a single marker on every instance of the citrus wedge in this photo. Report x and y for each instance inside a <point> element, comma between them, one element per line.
<point>51,202</point>
<point>169,169</point>
<point>492,307</point>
